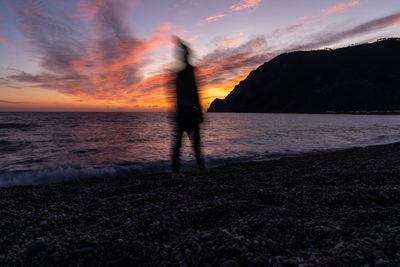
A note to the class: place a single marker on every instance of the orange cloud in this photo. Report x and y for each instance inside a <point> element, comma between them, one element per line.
<point>243,4</point>
<point>340,8</point>
<point>212,18</point>
<point>107,68</point>
<point>231,41</point>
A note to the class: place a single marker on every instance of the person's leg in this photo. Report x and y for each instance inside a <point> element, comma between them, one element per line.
<point>176,149</point>
<point>197,147</point>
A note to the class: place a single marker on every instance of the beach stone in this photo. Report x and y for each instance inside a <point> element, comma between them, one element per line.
<point>209,257</point>
<point>179,257</point>
<point>290,262</point>
<point>397,239</point>
<point>381,263</point>
<point>258,260</point>
<point>35,247</point>
<point>83,251</point>
<point>230,263</point>
<point>55,257</point>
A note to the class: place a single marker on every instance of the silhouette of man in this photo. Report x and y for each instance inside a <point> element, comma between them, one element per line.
<point>188,115</point>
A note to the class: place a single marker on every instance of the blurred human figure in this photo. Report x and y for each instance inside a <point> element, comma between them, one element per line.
<point>188,109</point>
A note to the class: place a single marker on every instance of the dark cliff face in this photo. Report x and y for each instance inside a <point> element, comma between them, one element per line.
<point>363,77</point>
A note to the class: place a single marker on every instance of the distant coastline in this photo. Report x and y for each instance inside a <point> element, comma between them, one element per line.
<point>356,112</point>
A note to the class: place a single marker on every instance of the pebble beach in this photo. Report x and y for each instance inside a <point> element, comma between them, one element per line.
<point>337,208</point>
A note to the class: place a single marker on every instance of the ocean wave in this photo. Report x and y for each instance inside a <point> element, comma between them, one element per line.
<point>123,169</point>
<point>127,169</point>
<point>85,151</point>
<point>380,140</point>
<point>7,146</point>
<point>65,173</point>
<point>17,125</point>
<point>5,143</point>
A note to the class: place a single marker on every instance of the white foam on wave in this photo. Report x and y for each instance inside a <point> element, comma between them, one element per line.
<point>381,140</point>
<point>64,173</point>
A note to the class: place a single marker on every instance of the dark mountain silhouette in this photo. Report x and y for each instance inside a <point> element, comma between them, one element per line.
<point>358,78</point>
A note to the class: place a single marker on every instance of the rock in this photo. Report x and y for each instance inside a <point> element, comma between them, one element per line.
<point>290,262</point>
<point>397,239</point>
<point>230,263</point>
<point>205,235</point>
<point>83,251</point>
<point>209,256</point>
<point>55,257</point>
<point>179,257</point>
<point>35,247</point>
<point>259,260</point>
<point>381,263</point>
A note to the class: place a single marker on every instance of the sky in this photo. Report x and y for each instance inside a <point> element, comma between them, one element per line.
<point>117,55</point>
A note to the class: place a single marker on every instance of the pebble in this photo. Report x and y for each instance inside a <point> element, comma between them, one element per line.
<point>290,262</point>
<point>35,247</point>
<point>381,263</point>
<point>83,251</point>
<point>179,257</point>
<point>230,263</point>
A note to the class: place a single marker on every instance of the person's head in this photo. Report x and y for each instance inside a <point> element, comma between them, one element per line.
<point>183,51</point>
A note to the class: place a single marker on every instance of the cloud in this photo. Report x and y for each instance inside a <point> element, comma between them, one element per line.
<point>231,41</point>
<point>3,40</point>
<point>340,8</point>
<point>243,4</point>
<point>9,102</point>
<point>97,60</point>
<point>330,37</point>
<point>226,63</point>
<point>212,18</point>
<point>314,19</point>
<point>193,38</point>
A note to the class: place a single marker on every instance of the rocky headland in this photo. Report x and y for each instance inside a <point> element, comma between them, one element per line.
<point>357,79</point>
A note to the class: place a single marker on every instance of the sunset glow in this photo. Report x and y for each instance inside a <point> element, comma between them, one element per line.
<point>103,55</point>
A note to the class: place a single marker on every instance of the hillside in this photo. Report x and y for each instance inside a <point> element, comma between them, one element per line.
<point>358,78</point>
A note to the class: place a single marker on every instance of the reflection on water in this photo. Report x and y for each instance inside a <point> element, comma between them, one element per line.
<point>31,141</point>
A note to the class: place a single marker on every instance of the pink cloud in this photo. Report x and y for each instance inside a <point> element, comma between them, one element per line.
<point>3,40</point>
<point>103,63</point>
<point>212,18</point>
<point>243,4</point>
<point>88,9</point>
<point>340,8</point>
<point>193,38</point>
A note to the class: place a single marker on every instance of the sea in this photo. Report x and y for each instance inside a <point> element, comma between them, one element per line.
<point>39,148</point>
